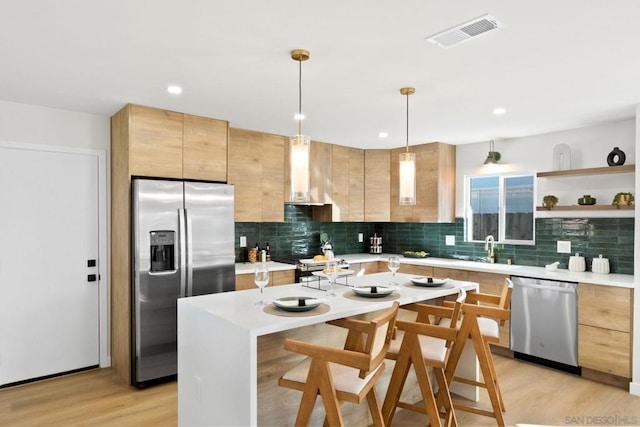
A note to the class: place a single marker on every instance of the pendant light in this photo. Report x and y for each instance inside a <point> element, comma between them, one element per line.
<point>299,144</point>
<point>407,163</point>
<point>493,156</point>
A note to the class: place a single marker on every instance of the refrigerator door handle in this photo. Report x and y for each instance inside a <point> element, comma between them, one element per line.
<point>183,252</point>
<point>189,254</point>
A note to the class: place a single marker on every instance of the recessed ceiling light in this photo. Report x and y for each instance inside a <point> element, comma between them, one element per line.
<point>174,90</point>
<point>383,134</point>
<point>499,111</point>
<point>298,116</point>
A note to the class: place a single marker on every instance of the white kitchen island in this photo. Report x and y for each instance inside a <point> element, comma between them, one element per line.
<point>219,336</point>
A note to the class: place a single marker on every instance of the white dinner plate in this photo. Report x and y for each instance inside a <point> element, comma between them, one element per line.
<point>297,303</point>
<point>373,291</point>
<point>429,282</point>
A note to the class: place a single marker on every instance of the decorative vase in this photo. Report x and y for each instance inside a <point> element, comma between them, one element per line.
<point>616,157</point>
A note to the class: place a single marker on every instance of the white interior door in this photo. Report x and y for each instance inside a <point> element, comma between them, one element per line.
<point>49,319</point>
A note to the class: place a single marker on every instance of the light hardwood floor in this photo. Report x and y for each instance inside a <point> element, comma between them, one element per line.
<point>533,395</point>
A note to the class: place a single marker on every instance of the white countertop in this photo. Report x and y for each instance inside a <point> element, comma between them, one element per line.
<point>248,267</point>
<point>240,309</point>
<point>619,280</point>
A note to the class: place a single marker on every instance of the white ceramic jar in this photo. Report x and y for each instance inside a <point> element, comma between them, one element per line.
<point>576,263</point>
<point>600,265</point>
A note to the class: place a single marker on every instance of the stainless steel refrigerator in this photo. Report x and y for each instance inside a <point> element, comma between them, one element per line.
<point>183,245</point>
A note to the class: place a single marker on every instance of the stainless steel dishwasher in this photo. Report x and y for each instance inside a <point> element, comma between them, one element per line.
<point>544,322</point>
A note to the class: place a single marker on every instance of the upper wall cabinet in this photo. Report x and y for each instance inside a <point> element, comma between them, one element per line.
<point>204,148</point>
<point>174,145</point>
<point>377,185</point>
<point>256,169</point>
<point>348,184</point>
<point>435,184</point>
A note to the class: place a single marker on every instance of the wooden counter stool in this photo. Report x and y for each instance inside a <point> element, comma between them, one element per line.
<point>480,324</point>
<point>423,345</point>
<point>347,374</point>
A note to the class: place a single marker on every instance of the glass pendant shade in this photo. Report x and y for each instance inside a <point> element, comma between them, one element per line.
<point>299,150</point>
<point>407,178</point>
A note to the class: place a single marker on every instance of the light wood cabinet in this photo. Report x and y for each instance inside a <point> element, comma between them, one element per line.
<point>155,142</point>
<point>174,145</point>
<point>204,148</point>
<point>256,169</point>
<point>451,273</point>
<point>604,328</point>
<point>364,267</point>
<point>435,184</point>
<point>347,184</point>
<point>151,142</point>
<point>276,278</point>
<point>377,185</point>
<point>418,270</point>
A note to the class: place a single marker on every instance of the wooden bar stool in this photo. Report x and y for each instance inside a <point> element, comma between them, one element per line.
<point>480,324</point>
<point>423,345</point>
<point>339,375</point>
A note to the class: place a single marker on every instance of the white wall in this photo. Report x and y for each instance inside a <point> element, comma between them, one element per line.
<point>635,382</point>
<point>41,125</point>
<point>36,126</point>
<point>590,147</point>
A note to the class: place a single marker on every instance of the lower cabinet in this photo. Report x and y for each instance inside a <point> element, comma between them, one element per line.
<point>418,270</point>
<point>604,328</point>
<point>450,273</point>
<point>245,281</point>
<point>361,268</point>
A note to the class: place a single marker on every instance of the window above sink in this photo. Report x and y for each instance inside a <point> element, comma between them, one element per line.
<point>501,206</point>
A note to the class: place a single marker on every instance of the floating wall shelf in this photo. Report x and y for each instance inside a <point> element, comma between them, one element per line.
<point>585,208</point>
<point>588,171</point>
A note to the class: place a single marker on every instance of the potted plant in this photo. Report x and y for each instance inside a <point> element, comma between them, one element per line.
<point>622,199</point>
<point>549,201</point>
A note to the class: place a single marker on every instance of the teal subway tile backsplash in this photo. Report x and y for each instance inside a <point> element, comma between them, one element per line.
<point>299,235</point>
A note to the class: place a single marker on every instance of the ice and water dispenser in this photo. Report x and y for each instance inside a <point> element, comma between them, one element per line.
<point>162,244</point>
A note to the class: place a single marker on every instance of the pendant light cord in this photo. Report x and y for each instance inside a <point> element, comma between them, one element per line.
<point>300,97</point>
<point>407,123</point>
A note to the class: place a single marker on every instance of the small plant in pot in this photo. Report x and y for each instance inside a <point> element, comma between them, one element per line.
<point>549,201</point>
<point>622,199</point>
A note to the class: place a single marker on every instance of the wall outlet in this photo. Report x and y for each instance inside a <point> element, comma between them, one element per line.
<point>243,241</point>
<point>450,240</point>
<point>360,237</point>
<point>564,246</point>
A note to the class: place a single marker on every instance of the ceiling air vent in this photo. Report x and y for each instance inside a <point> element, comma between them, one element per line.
<point>464,31</point>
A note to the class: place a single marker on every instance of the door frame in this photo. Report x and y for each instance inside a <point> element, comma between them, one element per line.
<point>104,283</point>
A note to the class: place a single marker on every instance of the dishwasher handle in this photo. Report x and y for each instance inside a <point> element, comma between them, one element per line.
<point>570,290</point>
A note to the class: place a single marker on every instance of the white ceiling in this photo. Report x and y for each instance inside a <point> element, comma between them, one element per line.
<point>553,64</point>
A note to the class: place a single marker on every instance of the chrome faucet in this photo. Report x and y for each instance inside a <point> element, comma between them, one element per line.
<point>489,245</point>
